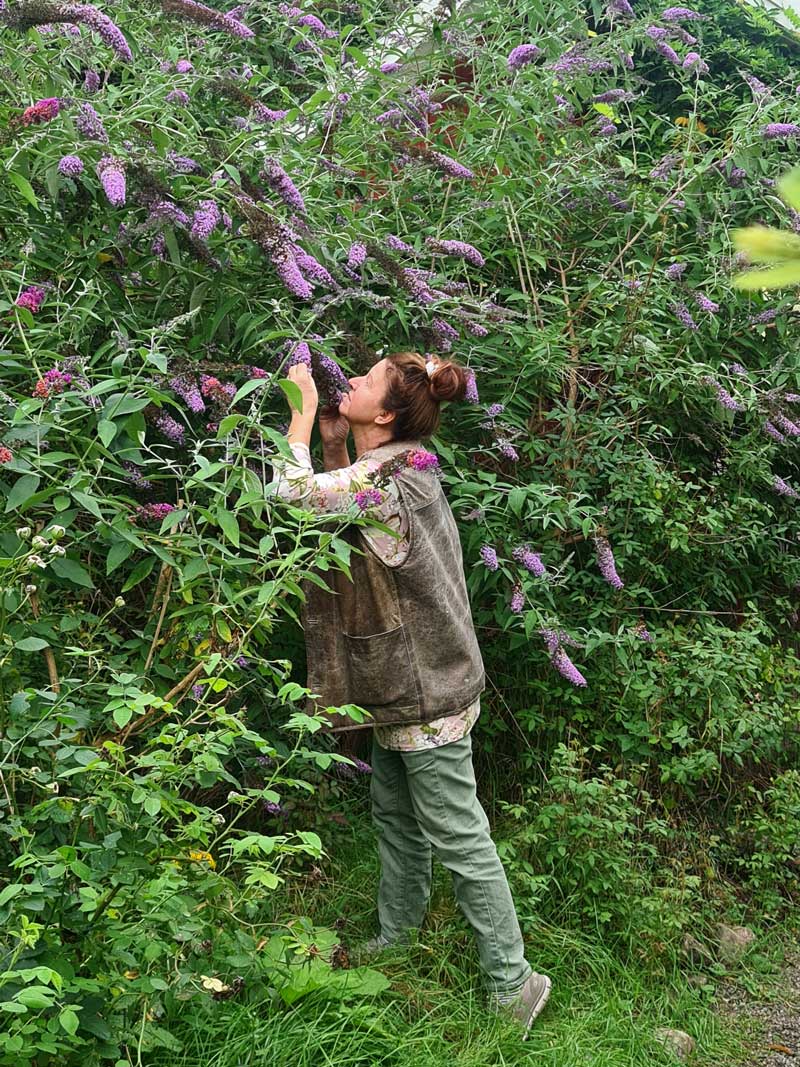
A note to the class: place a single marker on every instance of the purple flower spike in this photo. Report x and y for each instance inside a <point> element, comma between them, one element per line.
<point>705,304</point>
<point>89,124</point>
<point>668,52</point>
<point>390,66</point>
<point>471,395</point>
<point>91,81</point>
<point>782,487</point>
<point>111,173</point>
<point>675,271</point>
<point>177,96</point>
<point>365,498</point>
<point>489,557</point>
<point>70,166</point>
<point>694,63</point>
<point>522,55</point>
<point>456,248</point>
<point>680,14</point>
<point>683,316</point>
<point>517,600</point>
<point>605,561</point>
<point>530,560</point>
<point>280,182</point>
<point>207,16</point>
<point>205,220</point>
<point>566,668</point>
<point>31,298</point>
<point>723,396</point>
<point>778,130</point>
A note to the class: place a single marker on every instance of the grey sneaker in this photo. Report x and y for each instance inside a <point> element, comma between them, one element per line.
<point>530,1001</point>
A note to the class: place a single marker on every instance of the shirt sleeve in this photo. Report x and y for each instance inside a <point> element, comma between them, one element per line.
<point>334,492</point>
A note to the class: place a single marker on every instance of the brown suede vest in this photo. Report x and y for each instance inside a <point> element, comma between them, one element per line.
<point>397,641</point>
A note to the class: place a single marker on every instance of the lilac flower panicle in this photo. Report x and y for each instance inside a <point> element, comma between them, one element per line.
<point>723,396</point>
<point>183,66</point>
<point>606,563</point>
<point>664,167</point>
<point>397,245</point>
<point>680,14</point>
<point>692,61</point>
<point>91,81</point>
<point>523,54</point>
<point>422,460</point>
<point>787,425</point>
<point>177,96</point>
<point>356,255</point>
<point>705,304</point>
<point>614,96</point>
<point>89,124</point>
<point>187,390</point>
<point>517,600</point>
<point>207,16</point>
<point>777,130</point>
<point>683,316</point>
<point>365,498</point>
<point>626,59</point>
<point>390,66</point>
<point>456,248</point>
<point>768,315</point>
<point>170,428</point>
<point>792,398</point>
<point>773,431</point>
<point>450,166</point>
<point>205,220</point>
<point>317,26</point>
<point>675,271</point>
<point>782,487</point>
<point>280,182</point>
<point>530,560</point>
<point>737,368</point>
<point>489,557</point>
<point>622,7</point>
<point>70,166</point>
<point>111,173</point>
<point>657,33</point>
<point>471,395</point>
<point>311,268</point>
<point>566,668</point>
<point>268,114</point>
<point>668,52</point>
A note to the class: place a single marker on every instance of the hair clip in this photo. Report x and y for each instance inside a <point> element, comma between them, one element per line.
<point>431,366</point>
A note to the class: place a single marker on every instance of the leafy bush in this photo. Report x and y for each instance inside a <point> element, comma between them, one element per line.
<point>194,201</point>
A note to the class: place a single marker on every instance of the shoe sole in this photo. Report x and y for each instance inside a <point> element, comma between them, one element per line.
<point>537,1008</point>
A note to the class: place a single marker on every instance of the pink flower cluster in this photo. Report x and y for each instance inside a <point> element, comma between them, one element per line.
<point>54,381</point>
<point>41,111</point>
<point>152,512</point>
<point>31,298</point>
<point>366,497</point>
<point>422,460</point>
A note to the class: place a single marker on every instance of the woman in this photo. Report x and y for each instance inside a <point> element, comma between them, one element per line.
<point>397,639</point>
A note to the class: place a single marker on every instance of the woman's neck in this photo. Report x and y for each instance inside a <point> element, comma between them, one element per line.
<point>365,438</point>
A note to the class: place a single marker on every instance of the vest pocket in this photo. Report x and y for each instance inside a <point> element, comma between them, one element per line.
<point>381,671</point>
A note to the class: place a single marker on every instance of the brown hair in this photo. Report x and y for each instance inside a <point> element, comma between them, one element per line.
<point>415,398</point>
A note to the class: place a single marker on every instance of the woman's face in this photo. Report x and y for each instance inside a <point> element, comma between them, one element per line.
<point>364,403</point>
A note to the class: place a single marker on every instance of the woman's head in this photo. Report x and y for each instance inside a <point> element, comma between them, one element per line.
<point>398,395</point>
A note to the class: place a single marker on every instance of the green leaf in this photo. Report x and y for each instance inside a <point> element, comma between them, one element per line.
<point>228,423</point>
<point>69,1021</point>
<point>763,244</point>
<point>293,394</point>
<point>31,644</point>
<point>772,278</point>
<point>172,246</point>
<point>247,389</point>
<point>36,997</point>
<point>229,525</point>
<point>789,188</point>
<point>152,805</point>
<point>122,716</point>
<point>516,500</point>
<point>106,431</point>
<point>139,573</point>
<point>319,97</point>
<point>73,571</point>
<point>9,892</point>
<point>117,554</point>
<point>87,502</point>
<point>23,186</point>
<point>21,492</point>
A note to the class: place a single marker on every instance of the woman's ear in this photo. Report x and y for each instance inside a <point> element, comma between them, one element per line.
<point>385,418</point>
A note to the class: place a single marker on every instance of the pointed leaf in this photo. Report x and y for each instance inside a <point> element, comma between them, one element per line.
<point>772,278</point>
<point>763,244</point>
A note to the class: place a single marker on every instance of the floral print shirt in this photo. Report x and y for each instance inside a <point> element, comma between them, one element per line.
<point>333,492</point>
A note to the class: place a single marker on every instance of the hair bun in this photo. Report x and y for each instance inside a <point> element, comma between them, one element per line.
<point>448,382</point>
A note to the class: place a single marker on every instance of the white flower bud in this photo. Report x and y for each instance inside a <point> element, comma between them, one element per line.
<point>235,798</point>
<point>36,770</point>
<point>57,550</point>
<point>57,532</point>
<point>52,787</point>
<point>31,588</point>
<point>119,602</point>
<point>218,819</point>
<point>39,542</point>
<point>23,532</point>
<point>36,561</point>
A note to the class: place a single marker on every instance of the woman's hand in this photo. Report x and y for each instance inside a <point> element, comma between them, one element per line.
<point>299,374</point>
<point>333,427</point>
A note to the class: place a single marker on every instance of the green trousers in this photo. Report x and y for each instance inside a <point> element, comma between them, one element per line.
<point>424,802</point>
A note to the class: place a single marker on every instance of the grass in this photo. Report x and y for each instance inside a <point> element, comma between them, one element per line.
<point>603,1010</point>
